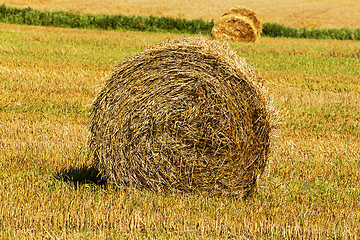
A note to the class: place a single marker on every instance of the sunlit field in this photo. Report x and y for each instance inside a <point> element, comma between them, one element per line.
<point>293,13</point>
<point>48,80</point>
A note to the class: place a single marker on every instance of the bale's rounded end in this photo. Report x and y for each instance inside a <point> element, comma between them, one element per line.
<point>187,115</point>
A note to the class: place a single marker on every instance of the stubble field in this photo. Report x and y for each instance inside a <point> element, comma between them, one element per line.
<point>50,76</point>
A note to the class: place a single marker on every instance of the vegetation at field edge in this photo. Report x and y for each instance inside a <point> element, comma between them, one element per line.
<point>29,16</point>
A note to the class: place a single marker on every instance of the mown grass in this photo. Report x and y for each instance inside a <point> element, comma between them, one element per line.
<point>48,79</point>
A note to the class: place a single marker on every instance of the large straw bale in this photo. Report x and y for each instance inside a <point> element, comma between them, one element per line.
<point>249,13</point>
<point>186,115</point>
<point>234,28</point>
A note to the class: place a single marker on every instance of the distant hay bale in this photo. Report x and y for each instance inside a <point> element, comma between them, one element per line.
<point>249,13</point>
<point>186,115</point>
<point>237,24</point>
<point>234,28</point>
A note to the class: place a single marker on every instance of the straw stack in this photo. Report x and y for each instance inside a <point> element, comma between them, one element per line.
<point>238,24</point>
<point>186,115</point>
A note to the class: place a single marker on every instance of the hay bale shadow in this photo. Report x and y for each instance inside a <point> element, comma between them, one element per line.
<point>80,175</point>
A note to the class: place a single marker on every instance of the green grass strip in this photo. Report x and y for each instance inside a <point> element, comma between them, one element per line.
<point>108,22</point>
<point>29,16</point>
<point>278,30</point>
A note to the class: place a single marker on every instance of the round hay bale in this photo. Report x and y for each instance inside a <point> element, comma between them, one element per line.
<point>186,115</point>
<point>234,28</point>
<point>249,13</point>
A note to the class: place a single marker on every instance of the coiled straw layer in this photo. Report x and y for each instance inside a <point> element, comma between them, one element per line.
<point>187,115</point>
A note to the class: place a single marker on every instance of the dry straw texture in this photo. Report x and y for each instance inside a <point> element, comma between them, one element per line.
<point>187,115</point>
<point>250,14</point>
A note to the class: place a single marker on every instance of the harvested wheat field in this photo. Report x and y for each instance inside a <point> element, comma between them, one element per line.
<point>293,13</point>
<point>49,78</point>
<point>185,115</point>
